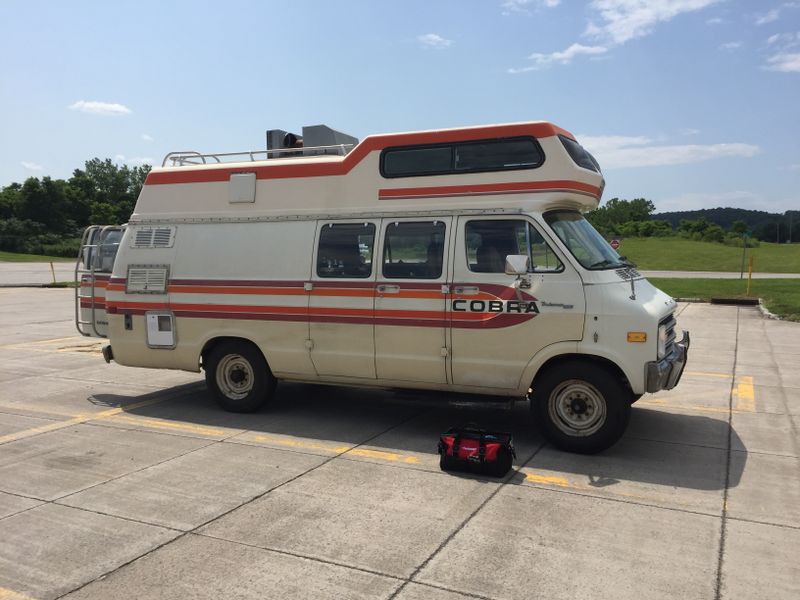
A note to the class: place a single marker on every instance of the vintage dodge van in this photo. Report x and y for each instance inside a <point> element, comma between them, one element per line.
<point>450,260</point>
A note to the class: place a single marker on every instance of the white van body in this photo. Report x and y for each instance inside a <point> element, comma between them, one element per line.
<point>386,265</point>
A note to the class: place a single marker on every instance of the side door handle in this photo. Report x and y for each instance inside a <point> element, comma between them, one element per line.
<point>388,289</point>
<point>467,290</point>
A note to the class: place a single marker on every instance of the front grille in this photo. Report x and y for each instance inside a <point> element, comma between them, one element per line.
<point>669,323</point>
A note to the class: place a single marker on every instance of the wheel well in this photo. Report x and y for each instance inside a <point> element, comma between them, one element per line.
<point>214,342</point>
<point>606,364</point>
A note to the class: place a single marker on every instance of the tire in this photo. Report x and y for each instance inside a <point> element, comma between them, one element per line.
<point>238,376</point>
<point>581,407</point>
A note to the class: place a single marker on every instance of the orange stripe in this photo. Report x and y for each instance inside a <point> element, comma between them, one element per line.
<point>372,143</point>
<point>488,188</point>
<point>268,291</point>
<point>313,311</point>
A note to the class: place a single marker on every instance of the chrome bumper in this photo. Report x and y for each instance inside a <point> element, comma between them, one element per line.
<point>665,374</point>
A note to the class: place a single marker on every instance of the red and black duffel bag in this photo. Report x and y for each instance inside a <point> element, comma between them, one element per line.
<point>476,451</point>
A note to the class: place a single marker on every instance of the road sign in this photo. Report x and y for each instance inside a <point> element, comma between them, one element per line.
<point>615,244</point>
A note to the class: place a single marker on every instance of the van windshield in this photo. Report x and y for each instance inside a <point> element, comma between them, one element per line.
<point>586,245</point>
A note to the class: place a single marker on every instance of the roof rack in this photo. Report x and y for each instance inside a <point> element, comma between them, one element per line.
<point>184,158</point>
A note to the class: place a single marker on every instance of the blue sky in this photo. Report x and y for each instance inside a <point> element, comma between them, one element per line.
<point>690,103</point>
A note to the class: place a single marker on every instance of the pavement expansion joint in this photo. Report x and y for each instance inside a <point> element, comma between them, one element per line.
<point>227,512</point>
<point>734,391</point>
<point>561,489</point>
<point>464,523</point>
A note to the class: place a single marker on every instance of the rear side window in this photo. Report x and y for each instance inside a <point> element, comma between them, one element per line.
<point>462,157</point>
<point>413,250</point>
<point>345,250</point>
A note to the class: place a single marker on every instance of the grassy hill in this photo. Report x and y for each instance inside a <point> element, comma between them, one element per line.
<point>677,254</point>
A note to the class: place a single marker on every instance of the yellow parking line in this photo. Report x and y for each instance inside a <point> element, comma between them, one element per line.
<point>704,374</point>
<point>547,479</point>
<point>348,450</point>
<point>695,407</point>
<point>300,444</point>
<point>745,395</point>
<point>169,425</point>
<point>6,594</point>
<point>390,456</point>
<point>18,435</point>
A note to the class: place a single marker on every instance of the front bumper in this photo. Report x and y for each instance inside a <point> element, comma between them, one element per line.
<point>665,374</point>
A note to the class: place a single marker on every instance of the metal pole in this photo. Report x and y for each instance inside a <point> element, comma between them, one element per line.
<point>749,274</point>
<point>744,250</point>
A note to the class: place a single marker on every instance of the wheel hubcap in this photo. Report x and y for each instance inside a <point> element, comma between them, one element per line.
<point>577,408</point>
<point>235,376</point>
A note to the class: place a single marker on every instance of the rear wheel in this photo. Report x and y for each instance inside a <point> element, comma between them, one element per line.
<point>581,407</point>
<point>238,376</point>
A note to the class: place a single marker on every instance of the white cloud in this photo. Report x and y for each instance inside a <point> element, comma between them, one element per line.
<point>524,6</point>
<point>689,131</point>
<point>100,108</point>
<point>136,160</point>
<point>795,167</point>
<point>147,138</point>
<point>31,166</point>
<point>698,200</point>
<point>784,62</point>
<point>624,20</point>
<point>768,17</point>
<point>620,152</point>
<point>730,46</point>
<point>714,21</point>
<point>435,41</point>
<point>564,57</point>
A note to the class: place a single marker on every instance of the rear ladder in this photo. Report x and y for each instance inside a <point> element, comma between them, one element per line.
<point>93,268</point>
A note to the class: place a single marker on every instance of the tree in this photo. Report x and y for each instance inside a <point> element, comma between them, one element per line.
<point>609,217</point>
<point>739,227</point>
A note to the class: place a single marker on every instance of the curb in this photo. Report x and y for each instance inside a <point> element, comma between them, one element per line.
<point>762,309</point>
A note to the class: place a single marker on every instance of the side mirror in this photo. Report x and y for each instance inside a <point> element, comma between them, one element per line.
<point>517,264</point>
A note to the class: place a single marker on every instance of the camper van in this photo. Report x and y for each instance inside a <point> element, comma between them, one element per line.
<point>454,260</point>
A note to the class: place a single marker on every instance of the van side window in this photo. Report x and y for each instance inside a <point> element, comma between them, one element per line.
<point>489,242</point>
<point>475,156</point>
<point>345,250</point>
<point>413,250</point>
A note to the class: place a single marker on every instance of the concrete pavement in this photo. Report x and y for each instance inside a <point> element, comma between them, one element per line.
<point>128,483</point>
<point>34,273</point>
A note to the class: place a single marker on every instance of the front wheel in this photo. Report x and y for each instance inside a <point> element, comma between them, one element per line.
<point>238,376</point>
<point>581,407</point>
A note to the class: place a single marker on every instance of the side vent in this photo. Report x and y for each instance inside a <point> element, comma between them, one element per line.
<point>154,237</point>
<point>147,279</point>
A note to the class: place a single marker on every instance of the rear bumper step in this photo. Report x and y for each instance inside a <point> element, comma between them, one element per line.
<point>108,353</point>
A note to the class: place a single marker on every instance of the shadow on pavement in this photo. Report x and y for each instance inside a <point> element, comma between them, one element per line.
<point>410,422</point>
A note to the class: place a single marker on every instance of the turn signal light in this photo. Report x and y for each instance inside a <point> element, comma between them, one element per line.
<point>637,337</point>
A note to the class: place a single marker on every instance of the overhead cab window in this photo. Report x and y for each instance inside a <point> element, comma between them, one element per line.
<point>462,157</point>
<point>579,155</point>
<point>345,250</point>
<point>413,250</point>
<point>490,241</point>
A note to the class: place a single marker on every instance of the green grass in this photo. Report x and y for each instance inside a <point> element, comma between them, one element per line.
<point>677,254</point>
<point>17,257</point>
<point>780,296</point>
